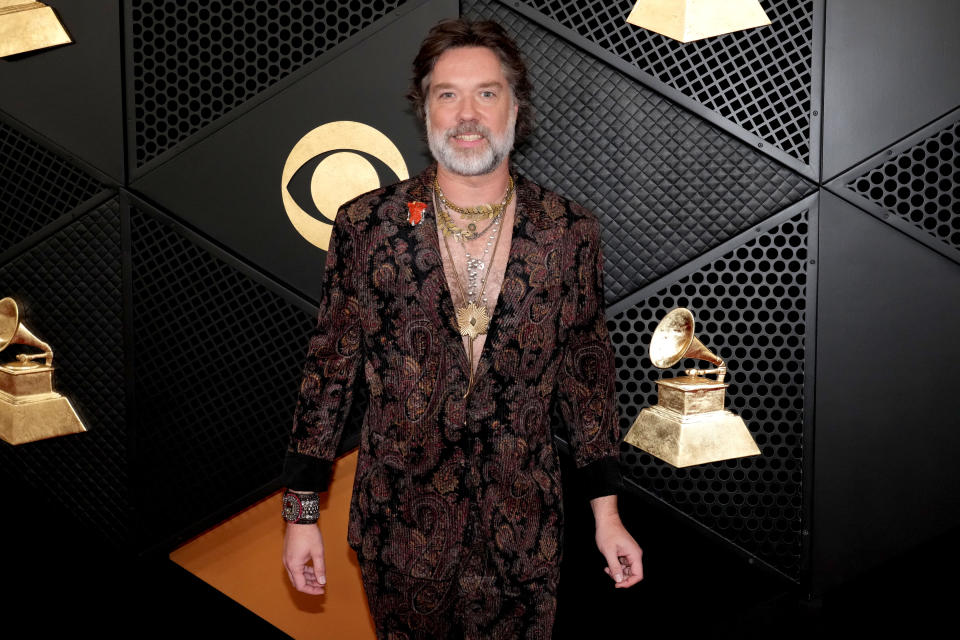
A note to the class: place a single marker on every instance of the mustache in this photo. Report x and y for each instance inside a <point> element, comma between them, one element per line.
<point>467,127</point>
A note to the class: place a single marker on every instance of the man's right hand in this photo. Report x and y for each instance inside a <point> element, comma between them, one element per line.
<point>303,543</point>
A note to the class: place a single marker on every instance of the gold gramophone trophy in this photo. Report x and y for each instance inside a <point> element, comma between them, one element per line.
<point>29,407</point>
<point>689,425</point>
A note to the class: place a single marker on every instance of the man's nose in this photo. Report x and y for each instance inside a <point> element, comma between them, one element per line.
<point>468,109</point>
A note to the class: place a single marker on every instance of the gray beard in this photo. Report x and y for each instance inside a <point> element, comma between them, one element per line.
<point>471,162</point>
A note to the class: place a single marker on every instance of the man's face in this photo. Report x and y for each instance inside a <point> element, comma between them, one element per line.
<point>471,113</point>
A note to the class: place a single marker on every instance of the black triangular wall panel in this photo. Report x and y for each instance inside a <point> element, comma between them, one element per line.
<point>888,432</point>
<point>890,68</point>
<point>920,185</point>
<point>750,307</point>
<point>191,66</point>
<point>72,94</point>
<point>70,292</point>
<point>759,79</point>
<point>666,184</point>
<point>37,187</point>
<point>218,359</point>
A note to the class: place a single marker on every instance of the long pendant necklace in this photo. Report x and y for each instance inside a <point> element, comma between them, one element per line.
<point>472,318</point>
<point>477,265</point>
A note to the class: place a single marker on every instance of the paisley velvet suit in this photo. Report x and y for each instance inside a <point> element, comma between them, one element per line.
<point>444,483</point>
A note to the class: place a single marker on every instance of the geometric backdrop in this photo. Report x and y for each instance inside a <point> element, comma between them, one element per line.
<point>752,307</point>
<point>649,169</point>
<point>795,186</point>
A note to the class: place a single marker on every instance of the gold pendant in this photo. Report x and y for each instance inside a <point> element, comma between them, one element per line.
<point>473,320</point>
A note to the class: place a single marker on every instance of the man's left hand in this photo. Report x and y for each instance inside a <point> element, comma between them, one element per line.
<point>623,554</point>
<point>621,551</point>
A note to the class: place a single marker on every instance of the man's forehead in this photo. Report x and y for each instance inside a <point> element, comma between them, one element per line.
<point>453,82</point>
<point>476,66</point>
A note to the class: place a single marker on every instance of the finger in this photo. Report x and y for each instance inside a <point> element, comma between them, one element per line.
<point>299,580</point>
<point>319,568</point>
<point>613,566</point>
<point>632,570</point>
<point>312,583</point>
<point>306,584</point>
<point>628,582</point>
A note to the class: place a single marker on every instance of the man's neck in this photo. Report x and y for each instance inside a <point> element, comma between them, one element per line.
<point>470,191</point>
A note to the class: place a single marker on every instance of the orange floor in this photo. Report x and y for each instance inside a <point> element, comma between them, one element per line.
<point>241,558</point>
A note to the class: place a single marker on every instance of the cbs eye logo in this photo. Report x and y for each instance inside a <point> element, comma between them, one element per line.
<point>331,165</point>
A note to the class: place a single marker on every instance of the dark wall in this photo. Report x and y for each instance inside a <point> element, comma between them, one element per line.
<point>891,69</point>
<point>886,432</point>
<point>72,95</point>
<point>795,186</point>
<point>887,438</point>
<point>178,300</point>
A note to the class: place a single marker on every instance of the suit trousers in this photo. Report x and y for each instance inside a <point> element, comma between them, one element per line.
<point>475,603</point>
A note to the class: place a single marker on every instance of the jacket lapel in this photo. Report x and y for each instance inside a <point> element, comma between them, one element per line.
<point>433,289</point>
<point>533,234</point>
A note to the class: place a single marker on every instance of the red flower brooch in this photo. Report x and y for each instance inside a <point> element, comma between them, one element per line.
<point>415,212</point>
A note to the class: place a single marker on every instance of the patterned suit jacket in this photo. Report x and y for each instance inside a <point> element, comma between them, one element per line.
<point>435,470</point>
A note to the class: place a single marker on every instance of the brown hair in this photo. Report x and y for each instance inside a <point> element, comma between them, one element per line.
<point>454,33</point>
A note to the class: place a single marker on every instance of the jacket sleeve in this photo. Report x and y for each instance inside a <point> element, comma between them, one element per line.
<point>334,359</point>
<point>587,375</point>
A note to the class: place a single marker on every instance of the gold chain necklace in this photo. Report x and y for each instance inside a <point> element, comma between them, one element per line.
<point>450,228</point>
<point>472,318</point>
<point>480,211</point>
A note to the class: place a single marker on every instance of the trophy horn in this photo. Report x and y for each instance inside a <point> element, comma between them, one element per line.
<point>12,331</point>
<point>674,339</point>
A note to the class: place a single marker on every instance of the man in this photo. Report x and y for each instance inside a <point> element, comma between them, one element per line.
<point>473,299</point>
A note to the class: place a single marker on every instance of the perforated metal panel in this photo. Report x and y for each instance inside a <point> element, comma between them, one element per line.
<point>37,187</point>
<point>218,363</point>
<point>194,62</point>
<point>666,185</point>
<point>69,288</point>
<point>750,309</point>
<point>759,79</point>
<point>921,185</point>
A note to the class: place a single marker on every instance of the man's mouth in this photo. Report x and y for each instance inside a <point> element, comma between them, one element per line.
<point>468,137</point>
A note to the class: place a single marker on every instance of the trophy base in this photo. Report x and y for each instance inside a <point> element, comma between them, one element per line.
<point>686,440</point>
<point>35,417</point>
<point>32,27</point>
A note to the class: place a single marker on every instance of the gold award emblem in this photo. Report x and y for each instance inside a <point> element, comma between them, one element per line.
<point>339,177</point>
<point>28,26</point>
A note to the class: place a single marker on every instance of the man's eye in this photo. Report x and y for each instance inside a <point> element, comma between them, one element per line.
<point>488,94</point>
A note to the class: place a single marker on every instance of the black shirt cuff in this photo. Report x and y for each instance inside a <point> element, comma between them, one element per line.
<point>306,473</point>
<point>601,477</point>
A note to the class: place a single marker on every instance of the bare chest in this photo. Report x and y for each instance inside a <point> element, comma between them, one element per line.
<point>475,270</point>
